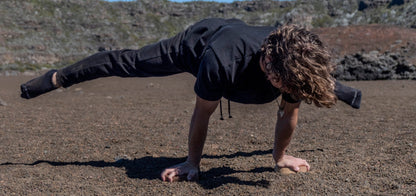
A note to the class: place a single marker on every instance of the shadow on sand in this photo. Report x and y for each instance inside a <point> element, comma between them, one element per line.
<point>150,168</point>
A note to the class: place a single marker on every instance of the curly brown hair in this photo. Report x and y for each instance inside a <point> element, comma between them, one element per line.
<point>300,61</point>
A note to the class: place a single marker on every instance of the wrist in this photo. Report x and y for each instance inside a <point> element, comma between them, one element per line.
<point>278,155</point>
<point>193,162</point>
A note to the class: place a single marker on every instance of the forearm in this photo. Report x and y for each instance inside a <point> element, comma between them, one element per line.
<point>196,139</point>
<point>283,134</point>
<point>285,126</point>
<point>199,128</point>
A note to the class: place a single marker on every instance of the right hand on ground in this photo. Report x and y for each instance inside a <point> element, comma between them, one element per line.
<point>292,163</point>
<point>179,171</point>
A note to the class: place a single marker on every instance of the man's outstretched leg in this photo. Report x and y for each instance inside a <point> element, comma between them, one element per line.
<point>103,64</point>
<point>159,59</point>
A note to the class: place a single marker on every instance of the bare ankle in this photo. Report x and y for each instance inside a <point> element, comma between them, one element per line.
<point>55,81</point>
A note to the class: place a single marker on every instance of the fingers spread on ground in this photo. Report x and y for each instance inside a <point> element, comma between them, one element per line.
<point>163,175</point>
<point>167,173</point>
<point>308,166</point>
<point>171,175</point>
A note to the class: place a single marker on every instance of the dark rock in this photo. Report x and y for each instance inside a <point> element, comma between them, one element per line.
<point>362,5</point>
<point>277,24</point>
<point>374,66</point>
<point>396,3</point>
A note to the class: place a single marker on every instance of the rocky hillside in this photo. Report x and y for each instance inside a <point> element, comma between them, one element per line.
<point>53,33</point>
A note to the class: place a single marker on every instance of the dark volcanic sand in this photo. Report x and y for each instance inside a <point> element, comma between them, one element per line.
<point>114,136</point>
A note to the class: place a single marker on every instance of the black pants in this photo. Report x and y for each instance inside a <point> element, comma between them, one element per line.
<point>159,59</point>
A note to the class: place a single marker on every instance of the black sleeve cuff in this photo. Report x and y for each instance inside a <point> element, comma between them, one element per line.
<point>289,98</point>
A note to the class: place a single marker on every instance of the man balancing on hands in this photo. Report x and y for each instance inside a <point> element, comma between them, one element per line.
<point>244,64</point>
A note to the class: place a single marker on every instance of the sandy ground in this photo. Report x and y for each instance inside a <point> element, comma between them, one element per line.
<point>114,136</point>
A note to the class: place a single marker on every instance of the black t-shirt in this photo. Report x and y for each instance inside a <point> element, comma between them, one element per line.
<point>224,56</point>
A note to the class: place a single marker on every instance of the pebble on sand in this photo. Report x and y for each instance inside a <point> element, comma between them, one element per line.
<point>2,103</point>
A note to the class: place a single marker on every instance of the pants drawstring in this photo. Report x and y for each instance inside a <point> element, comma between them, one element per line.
<point>229,110</point>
